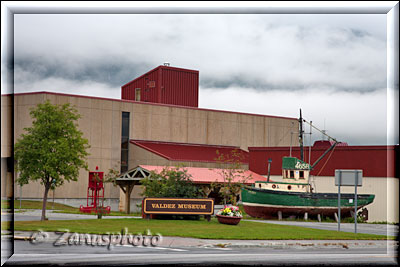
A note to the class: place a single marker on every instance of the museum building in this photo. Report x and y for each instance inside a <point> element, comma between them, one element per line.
<point>157,123</point>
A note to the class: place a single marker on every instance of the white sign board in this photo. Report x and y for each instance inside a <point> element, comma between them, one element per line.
<point>348,177</point>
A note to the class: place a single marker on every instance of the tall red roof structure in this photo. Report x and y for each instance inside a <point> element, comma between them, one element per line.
<point>165,84</point>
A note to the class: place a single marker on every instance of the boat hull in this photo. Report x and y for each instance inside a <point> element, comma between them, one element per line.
<point>265,203</point>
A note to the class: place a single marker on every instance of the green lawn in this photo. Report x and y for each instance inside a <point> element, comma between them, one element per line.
<point>194,228</point>
<point>30,204</point>
<point>60,208</point>
<point>112,213</point>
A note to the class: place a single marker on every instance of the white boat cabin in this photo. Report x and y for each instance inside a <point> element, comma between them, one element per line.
<point>295,174</point>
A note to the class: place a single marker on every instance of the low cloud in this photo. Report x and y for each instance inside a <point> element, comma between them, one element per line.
<point>332,66</point>
<point>353,117</point>
<point>27,83</point>
<point>257,51</point>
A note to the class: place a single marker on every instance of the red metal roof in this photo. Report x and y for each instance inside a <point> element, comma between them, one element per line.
<point>161,67</point>
<point>375,161</point>
<point>327,143</point>
<point>190,152</point>
<point>209,175</point>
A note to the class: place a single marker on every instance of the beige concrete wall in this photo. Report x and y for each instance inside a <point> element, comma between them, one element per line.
<point>6,126</point>
<point>101,125</point>
<point>392,200</point>
<point>386,199</point>
<point>138,155</point>
<point>6,145</point>
<point>386,190</point>
<point>163,123</point>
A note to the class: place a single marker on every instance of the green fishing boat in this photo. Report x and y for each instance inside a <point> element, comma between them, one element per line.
<point>294,196</point>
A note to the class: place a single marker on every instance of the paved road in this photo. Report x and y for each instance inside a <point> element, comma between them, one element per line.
<point>45,253</point>
<point>366,228</point>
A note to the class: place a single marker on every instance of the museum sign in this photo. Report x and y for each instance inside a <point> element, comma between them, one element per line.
<point>184,206</point>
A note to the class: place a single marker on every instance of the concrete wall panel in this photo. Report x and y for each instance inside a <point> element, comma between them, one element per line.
<point>6,126</point>
<point>378,210</point>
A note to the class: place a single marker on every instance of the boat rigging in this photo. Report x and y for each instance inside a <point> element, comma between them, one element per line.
<point>301,132</point>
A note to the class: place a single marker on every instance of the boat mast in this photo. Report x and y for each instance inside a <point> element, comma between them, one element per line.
<point>301,137</point>
<point>335,142</point>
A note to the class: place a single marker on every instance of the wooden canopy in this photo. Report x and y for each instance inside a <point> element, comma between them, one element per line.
<point>128,180</point>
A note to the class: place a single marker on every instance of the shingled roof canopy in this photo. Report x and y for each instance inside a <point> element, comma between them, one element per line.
<point>207,175</point>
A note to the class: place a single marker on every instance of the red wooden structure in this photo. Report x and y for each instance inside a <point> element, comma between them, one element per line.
<point>95,194</point>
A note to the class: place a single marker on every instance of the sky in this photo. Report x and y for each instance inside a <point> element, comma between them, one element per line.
<point>332,66</point>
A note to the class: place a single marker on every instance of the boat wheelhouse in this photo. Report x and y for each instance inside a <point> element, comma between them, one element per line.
<point>295,177</point>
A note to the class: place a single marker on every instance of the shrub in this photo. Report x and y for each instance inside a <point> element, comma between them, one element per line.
<point>170,182</point>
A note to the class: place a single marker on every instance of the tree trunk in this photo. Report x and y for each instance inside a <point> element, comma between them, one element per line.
<point>46,192</point>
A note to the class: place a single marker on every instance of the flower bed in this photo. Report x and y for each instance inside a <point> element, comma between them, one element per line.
<point>229,215</point>
<point>232,211</point>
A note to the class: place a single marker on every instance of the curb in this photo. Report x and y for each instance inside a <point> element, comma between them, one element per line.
<point>26,238</point>
<point>329,245</point>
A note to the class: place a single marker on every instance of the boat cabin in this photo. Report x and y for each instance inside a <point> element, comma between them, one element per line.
<point>295,176</point>
<point>295,170</point>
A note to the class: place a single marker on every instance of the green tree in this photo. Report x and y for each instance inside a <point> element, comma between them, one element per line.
<point>53,149</point>
<point>233,174</point>
<point>170,182</point>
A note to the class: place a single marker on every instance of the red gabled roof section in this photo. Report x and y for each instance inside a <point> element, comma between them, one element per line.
<point>327,143</point>
<point>211,175</point>
<point>160,67</point>
<point>375,161</point>
<point>191,152</point>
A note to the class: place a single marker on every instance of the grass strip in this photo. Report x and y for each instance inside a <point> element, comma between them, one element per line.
<point>112,213</point>
<point>32,204</point>
<point>195,229</point>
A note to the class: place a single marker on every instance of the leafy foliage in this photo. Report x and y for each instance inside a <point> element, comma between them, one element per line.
<point>112,175</point>
<point>170,182</point>
<point>233,174</point>
<point>53,149</point>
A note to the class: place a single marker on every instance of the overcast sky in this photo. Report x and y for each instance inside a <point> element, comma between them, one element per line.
<point>333,67</point>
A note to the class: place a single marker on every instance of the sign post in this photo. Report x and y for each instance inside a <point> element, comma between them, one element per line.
<point>348,178</point>
<point>340,182</point>
<point>355,202</point>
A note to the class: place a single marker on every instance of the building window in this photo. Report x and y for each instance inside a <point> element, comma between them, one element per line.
<point>301,174</point>
<point>137,94</point>
<point>291,174</point>
<point>124,141</point>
